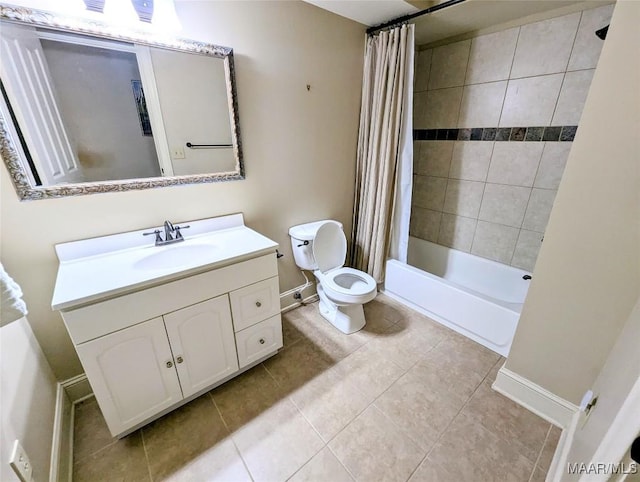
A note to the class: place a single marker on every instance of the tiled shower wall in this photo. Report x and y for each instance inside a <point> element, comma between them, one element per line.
<point>494,117</point>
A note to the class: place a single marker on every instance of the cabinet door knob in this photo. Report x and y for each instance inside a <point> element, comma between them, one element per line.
<point>169,364</point>
<point>258,304</point>
<point>262,341</point>
<point>179,359</point>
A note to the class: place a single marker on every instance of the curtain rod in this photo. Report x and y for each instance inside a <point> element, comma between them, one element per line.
<point>406,18</point>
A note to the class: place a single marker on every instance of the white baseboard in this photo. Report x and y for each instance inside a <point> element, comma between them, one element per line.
<point>542,402</point>
<point>557,470</point>
<point>77,388</point>
<point>61,465</point>
<point>288,302</point>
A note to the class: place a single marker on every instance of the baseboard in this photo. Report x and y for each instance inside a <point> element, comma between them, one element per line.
<point>557,469</point>
<point>61,465</point>
<point>542,402</point>
<point>288,302</point>
<point>77,388</point>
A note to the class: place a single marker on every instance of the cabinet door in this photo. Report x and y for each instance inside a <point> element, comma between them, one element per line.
<point>203,344</point>
<point>132,374</point>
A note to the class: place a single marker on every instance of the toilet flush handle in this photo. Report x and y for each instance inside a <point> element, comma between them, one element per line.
<point>305,243</point>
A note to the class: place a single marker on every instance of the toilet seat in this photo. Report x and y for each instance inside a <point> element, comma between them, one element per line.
<point>348,286</point>
<point>342,285</point>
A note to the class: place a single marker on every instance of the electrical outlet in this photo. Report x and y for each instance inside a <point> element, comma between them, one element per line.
<point>20,463</point>
<point>177,152</point>
<point>297,295</point>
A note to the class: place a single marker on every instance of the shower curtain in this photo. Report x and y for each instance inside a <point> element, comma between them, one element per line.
<point>385,153</point>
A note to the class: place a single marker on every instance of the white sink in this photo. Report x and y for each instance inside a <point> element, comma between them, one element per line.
<point>175,256</point>
<point>96,269</point>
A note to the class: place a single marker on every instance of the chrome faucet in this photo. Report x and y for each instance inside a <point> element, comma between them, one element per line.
<point>169,238</point>
<point>168,229</point>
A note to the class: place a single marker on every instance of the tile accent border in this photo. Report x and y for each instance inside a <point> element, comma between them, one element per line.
<point>533,133</point>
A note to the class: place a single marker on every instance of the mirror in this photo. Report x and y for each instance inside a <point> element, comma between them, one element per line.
<point>84,109</point>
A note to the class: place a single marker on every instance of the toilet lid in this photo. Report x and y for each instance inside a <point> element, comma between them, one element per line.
<point>330,246</point>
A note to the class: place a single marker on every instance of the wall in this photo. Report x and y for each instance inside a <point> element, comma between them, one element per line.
<point>28,400</point>
<point>494,117</point>
<point>587,277</point>
<point>299,147</point>
<point>94,91</point>
<point>194,109</point>
<point>613,386</point>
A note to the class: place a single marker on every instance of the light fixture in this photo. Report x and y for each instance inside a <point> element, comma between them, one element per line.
<point>95,5</point>
<point>165,18</point>
<point>144,9</point>
<point>120,13</point>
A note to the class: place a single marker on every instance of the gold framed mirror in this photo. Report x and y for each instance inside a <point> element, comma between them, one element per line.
<point>86,107</point>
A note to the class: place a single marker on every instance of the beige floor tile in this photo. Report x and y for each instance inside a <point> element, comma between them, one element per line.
<point>372,448</point>
<point>330,401</point>
<point>323,467</point>
<point>470,452</point>
<point>493,373</point>
<point>384,310</point>
<point>369,372</point>
<point>221,462</point>
<point>549,448</point>
<point>466,354</point>
<point>291,333</point>
<point>517,426</point>
<point>538,475</point>
<point>277,443</point>
<point>421,410</point>
<point>432,472</point>
<point>408,340</point>
<point>326,337</point>
<point>90,432</point>
<point>298,364</point>
<point>123,460</point>
<point>450,371</point>
<point>191,441</point>
<point>245,397</point>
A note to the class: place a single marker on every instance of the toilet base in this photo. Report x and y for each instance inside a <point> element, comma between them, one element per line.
<point>346,318</point>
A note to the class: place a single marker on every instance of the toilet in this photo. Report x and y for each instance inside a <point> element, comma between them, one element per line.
<point>321,247</point>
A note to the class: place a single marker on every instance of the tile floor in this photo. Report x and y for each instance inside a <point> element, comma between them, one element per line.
<point>403,399</point>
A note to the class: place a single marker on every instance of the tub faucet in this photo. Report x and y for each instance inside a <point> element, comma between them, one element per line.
<point>169,238</point>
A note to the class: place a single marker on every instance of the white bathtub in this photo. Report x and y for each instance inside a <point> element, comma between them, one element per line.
<point>474,296</point>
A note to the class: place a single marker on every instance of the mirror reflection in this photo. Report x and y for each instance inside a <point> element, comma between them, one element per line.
<point>88,109</point>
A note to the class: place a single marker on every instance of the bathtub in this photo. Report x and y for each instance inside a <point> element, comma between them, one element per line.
<point>474,296</point>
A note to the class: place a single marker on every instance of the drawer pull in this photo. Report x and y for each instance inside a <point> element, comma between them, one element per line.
<point>262,341</point>
<point>258,304</point>
<point>169,364</point>
<point>179,359</point>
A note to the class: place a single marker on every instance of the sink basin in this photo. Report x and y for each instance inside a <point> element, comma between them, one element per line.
<point>175,256</point>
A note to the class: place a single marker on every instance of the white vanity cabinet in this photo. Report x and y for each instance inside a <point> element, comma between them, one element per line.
<point>150,347</point>
<point>202,343</point>
<point>142,370</point>
<point>132,374</point>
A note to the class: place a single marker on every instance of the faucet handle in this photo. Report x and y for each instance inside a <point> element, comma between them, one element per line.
<point>157,233</point>
<point>177,229</point>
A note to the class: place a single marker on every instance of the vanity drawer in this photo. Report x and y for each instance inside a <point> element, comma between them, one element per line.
<point>254,303</point>
<point>259,340</point>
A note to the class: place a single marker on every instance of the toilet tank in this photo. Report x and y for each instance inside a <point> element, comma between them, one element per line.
<point>302,237</point>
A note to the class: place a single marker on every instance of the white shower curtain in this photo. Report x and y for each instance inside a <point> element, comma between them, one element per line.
<point>385,152</point>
